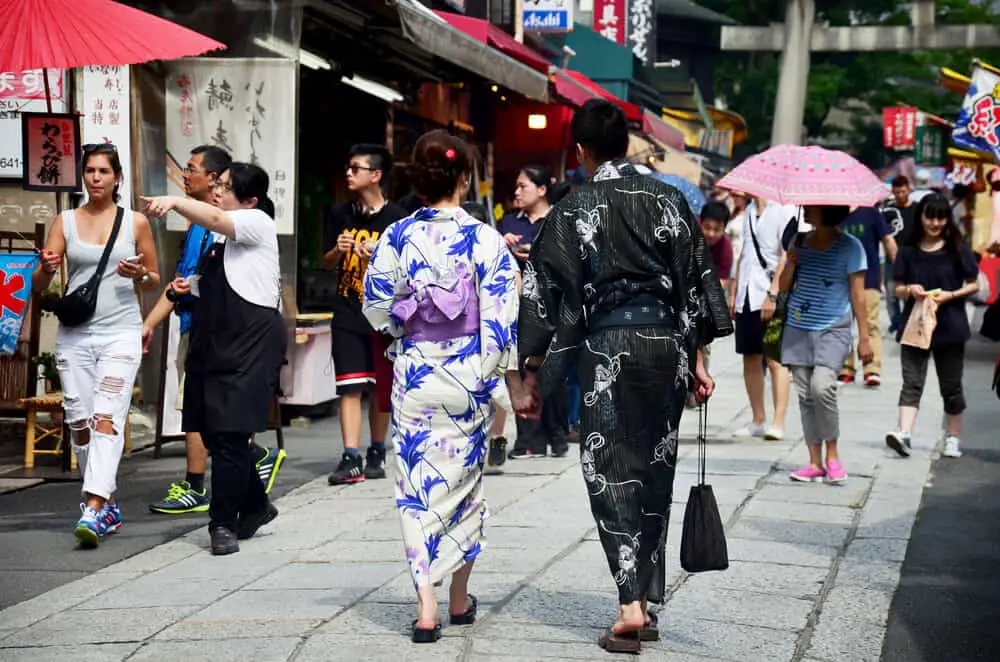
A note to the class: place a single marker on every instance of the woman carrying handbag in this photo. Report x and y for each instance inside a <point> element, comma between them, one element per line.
<point>110,255</point>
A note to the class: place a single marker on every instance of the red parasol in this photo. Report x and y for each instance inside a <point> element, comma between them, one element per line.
<point>62,34</point>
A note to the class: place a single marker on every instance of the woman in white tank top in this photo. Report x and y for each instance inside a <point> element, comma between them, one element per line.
<point>98,359</point>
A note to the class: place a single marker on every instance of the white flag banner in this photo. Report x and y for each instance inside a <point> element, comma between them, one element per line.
<point>245,106</point>
<point>105,112</point>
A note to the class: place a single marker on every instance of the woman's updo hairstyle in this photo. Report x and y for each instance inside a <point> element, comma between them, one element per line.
<point>439,161</point>
<point>251,181</point>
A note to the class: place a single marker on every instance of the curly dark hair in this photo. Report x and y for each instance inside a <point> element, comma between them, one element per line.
<point>439,161</point>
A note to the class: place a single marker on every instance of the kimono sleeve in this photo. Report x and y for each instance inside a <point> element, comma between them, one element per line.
<point>551,322</point>
<point>496,275</point>
<point>381,278</point>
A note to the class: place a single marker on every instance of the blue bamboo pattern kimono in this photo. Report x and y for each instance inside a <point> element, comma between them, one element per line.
<point>444,285</point>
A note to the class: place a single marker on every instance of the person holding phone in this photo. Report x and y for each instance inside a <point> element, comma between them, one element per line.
<point>98,359</point>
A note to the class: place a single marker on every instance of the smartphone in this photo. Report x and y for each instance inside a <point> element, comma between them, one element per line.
<point>135,259</point>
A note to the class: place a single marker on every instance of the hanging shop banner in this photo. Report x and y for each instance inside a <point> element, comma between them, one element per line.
<point>548,15</point>
<point>23,92</point>
<point>642,30</point>
<point>967,172</point>
<point>50,151</point>
<point>978,124</point>
<point>899,127</point>
<point>15,292</point>
<point>611,20</point>
<point>245,106</point>
<point>932,145</point>
<point>105,109</point>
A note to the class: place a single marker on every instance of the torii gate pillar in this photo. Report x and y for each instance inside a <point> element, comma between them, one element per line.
<point>798,38</point>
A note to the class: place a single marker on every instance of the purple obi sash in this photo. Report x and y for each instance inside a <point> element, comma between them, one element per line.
<point>440,311</point>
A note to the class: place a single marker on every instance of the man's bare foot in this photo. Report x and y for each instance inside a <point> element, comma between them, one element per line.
<point>630,619</point>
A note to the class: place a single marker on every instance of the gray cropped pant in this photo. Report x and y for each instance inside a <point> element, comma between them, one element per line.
<point>817,387</point>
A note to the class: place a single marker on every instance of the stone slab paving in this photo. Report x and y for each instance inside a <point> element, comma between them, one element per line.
<point>813,568</point>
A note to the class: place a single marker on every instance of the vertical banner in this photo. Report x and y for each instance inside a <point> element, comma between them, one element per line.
<point>245,106</point>
<point>642,30</point>
<point>978,124</point>
<point>106,112</point>
<point>548,15</point>
<point>51,152</point>
<point>24,92</point>
<point>899,127</point>
<point>610,20</point>
<point>15,292</point>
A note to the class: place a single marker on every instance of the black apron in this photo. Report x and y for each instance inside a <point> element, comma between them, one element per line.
<point>234,357</point>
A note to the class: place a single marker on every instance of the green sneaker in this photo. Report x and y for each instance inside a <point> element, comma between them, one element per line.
<point>269,465</point>
<point>181,499</point>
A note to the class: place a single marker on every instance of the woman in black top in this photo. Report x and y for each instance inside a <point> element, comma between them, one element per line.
<point>934,261</point>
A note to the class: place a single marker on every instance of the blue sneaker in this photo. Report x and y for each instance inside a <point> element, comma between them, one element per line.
<point>88,529</point>
<point>111,519</point>
<point>269,465</point>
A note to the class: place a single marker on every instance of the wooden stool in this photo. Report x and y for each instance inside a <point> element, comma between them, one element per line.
<point>35,432</point>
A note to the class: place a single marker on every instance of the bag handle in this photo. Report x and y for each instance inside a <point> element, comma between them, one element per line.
<point>702,441</point>
<point>102,265</point>
<point>753,235</point>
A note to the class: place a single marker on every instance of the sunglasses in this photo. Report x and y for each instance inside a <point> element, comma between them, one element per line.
<point>99,147</point>
<point>354,169</point>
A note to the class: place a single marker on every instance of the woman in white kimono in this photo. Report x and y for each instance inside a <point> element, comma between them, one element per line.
<point>444,285</point>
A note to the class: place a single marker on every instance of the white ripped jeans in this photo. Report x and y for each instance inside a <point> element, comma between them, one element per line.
<point>97,368</point>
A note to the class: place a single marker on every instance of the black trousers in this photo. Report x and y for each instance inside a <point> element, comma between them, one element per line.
<point>236,486</point>
<point>550,429</point>
<point>634,385</point>
<point>949,363</point>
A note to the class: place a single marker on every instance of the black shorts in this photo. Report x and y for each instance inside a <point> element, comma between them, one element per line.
<point>749,331</point>
<point>353,361</point>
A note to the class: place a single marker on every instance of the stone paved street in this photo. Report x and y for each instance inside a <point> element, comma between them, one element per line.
<point>813,568</point>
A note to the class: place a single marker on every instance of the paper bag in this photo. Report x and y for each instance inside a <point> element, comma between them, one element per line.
<point>920,325</point>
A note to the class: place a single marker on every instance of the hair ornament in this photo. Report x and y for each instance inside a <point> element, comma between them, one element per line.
<point>450,154</point>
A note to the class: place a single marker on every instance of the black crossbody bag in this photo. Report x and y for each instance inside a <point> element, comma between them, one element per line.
<point>78,306</point>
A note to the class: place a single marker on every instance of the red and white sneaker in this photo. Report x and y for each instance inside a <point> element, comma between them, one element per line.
<point>873,380</point>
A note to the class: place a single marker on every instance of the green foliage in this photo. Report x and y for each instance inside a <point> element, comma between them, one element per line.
<point>748,81</point>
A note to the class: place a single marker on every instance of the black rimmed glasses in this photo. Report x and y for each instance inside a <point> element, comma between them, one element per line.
<point>355,168</point>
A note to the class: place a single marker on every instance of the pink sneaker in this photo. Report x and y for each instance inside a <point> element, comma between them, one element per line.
<point>835,472</point>
<point>808,474</point>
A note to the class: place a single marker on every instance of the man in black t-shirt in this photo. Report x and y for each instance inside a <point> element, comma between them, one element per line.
<point>350,233</point>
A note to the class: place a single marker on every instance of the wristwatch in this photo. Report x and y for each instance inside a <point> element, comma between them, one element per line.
<point>528,367</point>
<point>773,296</point>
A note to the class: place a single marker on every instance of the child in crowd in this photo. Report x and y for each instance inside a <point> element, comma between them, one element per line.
<point>714,217</point>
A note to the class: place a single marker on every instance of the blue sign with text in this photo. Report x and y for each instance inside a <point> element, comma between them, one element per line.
<point>547,20</point>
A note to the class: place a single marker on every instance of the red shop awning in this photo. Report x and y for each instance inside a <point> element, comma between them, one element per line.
<point>491,35</point>
<point>632,112</point>
<point>660,130</point>
<point>572,91</point>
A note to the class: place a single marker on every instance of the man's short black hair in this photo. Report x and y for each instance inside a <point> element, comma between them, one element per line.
<point>900,181</point>
<point>214,160</point>
<point>600,127</point>
<point>715,211</point>
<point>379,157</point>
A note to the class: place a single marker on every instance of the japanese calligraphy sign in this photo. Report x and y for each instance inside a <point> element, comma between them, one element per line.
<point>105,108</point>
<point>931,146</point>
<point>245,106</point>
<point>642,30</point>
<point>51,152</point>
<point>548,15</point>
<point>978,124</point>
<point>967,172</point>
<point>23,91</point>
<point>15,293</point>
<point>899,127</point>
<point>610,20</point>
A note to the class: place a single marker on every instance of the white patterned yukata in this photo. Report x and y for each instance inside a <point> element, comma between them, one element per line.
<point>444,285</point>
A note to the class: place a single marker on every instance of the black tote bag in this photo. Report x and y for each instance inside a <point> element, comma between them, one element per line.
<point>703,539</point>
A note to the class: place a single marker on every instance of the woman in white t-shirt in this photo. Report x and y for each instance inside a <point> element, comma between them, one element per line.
<point>237,344</point>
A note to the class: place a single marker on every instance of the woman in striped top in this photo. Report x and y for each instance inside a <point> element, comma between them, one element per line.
<point>826,278</point>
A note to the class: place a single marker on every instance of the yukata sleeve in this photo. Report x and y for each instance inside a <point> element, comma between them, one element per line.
<point>380,281</point>
<point>496,276</point>
<point>551,322</point>
<point>704,313</point>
